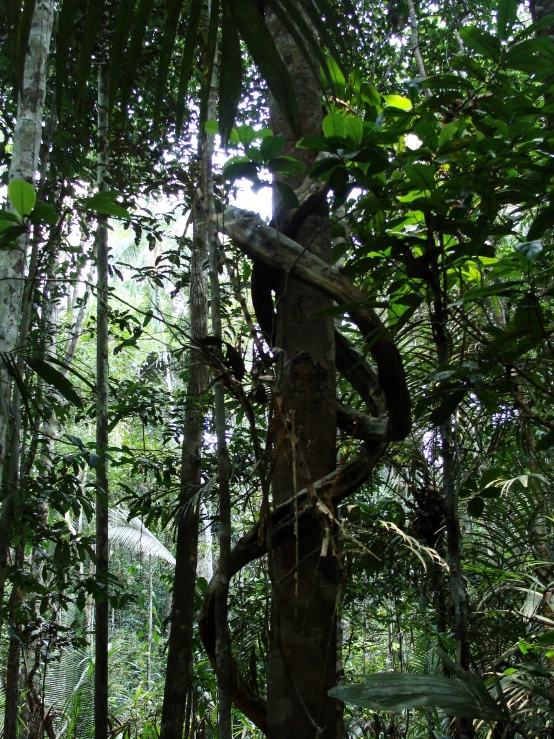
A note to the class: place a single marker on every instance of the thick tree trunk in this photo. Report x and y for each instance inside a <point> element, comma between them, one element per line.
<point>302,657</point>
<point>182,611</point>
<point>102,374</point>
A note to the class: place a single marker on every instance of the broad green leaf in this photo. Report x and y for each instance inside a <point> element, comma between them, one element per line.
<point>316,143</point>
<point>333,125</point>
<point>506,16</point>
<point>46,214</point>
<point>322,169</point>
<point>421,176</point>
<point>55,378</point>
<point>212,127</point>
<point>476,506</point>
<point>395,692</point>
<point>105,203</point>
<point>447,82</point>
<point>246,135</point>
<point>398,101</point>
<point>22,196</point>
<point>271,146</point>
<point>230,74</point>
<point>8,218</point>
<point>370,95</point>
<point>236,170</point>
<point>481,42</point>
<point>285,165</point>
<point>354,128</point>
<point>530,250</point>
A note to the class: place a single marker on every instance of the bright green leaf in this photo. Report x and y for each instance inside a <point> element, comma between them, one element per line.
<point>22,196</point>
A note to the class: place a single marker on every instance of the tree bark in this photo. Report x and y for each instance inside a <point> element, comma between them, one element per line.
<point>25,152</point>
<point>102,375</point>
<point>182,611</point>
<point>304,576</point>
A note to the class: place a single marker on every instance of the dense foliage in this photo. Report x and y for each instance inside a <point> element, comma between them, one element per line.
<point>435,158</point>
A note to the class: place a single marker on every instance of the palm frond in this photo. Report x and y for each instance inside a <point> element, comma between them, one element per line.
<point>133,535</point>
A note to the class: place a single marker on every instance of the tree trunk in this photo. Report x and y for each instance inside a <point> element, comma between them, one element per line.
<point>102,373</point>
<point>302,657</point>
<point>25,152</point>
<point>179,653</point>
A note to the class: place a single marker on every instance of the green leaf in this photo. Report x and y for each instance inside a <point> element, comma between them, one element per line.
<point>271,146</point>
<point>246,135</point>
<point>285,165</point>
<point>354,128</point>
<point>481,42</point>
<point>333,125</point>
<point>211,127</point>
<point>395,691</point>
<point>315,143</point>
<point>476,506</point>
<point>22,196</point>
<point>447,82</point>
<point>237,170</point>
<point>7,217</point>
<point>506,16</point>
<point>530,250</point>
<point>105,203</point>
<point>45,213</point>
<point>322,169</point>
<point>421,176</point>
<point>448,406</point>
<point>370,95</point>
<point>398,101</point>
<point>55,378</point>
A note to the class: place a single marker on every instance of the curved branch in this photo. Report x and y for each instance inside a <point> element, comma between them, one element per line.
<point>261,242</point>
<point>386,396</point>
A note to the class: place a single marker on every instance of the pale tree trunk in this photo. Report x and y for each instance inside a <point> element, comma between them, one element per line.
<point>179,655</point>
<point>305,578</point>
<point>25,152</point>
<point>102,374</point>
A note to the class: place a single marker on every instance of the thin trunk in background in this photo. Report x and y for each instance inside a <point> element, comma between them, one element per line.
<point>24,162</point>
<point>179,654</point>
<point>102,373</point>
<point>223,646</point>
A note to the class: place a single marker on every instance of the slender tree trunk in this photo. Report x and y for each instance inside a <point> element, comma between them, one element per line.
<point>150,614</point>
<point>102,373</point>
<point>223,646</point>
<point>454,539</point>
<point>25,152</point>
<point>305,577</point>
<point>179,654</point>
